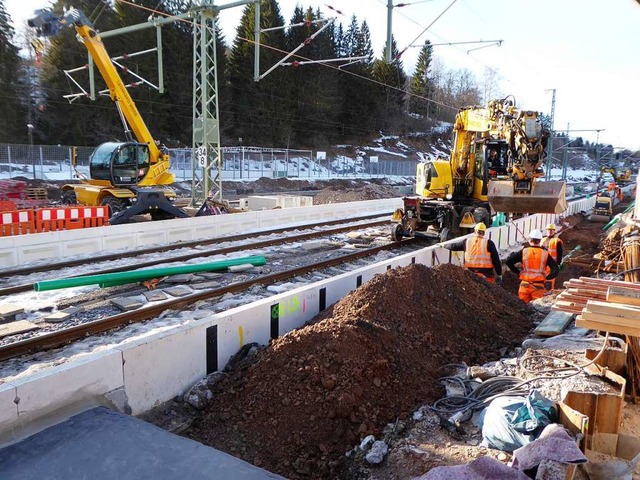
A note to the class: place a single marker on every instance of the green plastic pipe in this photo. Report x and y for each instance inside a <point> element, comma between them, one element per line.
<point>139,275</point>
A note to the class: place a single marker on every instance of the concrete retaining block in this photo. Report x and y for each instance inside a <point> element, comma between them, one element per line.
<point>159,367</point>
<point>8,407</point>
<point>52,394</point>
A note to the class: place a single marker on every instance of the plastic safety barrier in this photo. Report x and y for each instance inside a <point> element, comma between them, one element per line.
<point>17,222</point>
<point>70,218</point>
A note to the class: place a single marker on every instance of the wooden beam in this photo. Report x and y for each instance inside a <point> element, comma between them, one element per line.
<point>614,309</point>
<point>629,296</point>
<point>606,327</point>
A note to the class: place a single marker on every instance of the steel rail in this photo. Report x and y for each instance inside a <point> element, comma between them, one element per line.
<point>65,336</point>
<point>175,246</point>
<point>206,253</point>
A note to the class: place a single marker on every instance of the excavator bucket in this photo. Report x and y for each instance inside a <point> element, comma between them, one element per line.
<point>544,197</point>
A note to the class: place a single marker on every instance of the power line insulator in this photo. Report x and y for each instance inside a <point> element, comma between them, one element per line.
<point>308,23</point>
<point>307,41</point>
<point>295,63</point>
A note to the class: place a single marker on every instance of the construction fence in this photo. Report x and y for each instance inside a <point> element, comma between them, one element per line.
<point>53,162</point>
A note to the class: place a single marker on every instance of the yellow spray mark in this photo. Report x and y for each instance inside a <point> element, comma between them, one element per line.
<point>241,336</point>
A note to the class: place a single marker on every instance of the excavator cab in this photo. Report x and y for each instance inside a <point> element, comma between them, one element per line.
<point>119,164</point>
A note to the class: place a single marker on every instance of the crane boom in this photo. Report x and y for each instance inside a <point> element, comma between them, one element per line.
<point>117,89</point>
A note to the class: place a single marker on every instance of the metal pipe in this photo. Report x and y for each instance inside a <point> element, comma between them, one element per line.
<point>139,275</point>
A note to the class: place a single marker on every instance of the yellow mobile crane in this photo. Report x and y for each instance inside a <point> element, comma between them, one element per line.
<point>129,177</point>
<point>494,165</point>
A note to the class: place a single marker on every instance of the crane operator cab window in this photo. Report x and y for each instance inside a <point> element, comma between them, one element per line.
<point>120,163</point>
<point>496,164</point>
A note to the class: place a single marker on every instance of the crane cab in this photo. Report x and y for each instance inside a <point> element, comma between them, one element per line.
<point>119,164</point>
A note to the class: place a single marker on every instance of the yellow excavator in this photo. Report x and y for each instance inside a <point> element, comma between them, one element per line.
<point>622,175</point>
<point>495,164</point>
<point>130,177</point>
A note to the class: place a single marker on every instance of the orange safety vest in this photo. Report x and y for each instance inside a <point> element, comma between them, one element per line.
<point>534,262</point>
<point>552,246</point>
<point>476,253</point>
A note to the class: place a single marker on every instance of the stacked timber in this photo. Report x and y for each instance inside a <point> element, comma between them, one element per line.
<point>618,312</point>
<point>578,291</point>
<point>631,258</point>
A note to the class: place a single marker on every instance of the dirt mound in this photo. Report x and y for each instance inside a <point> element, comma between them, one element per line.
<point>366,192</point>
<point>371,359</point>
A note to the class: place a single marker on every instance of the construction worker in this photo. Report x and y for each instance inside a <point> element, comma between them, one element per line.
<point>553,245</point>
<point>534,259</point>
<point>480,255</point>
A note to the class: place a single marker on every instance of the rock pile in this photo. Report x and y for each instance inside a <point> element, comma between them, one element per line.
<point>373,358</point>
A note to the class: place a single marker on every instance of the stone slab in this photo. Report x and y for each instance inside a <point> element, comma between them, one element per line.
<point>206,285</point>
<point>241,268</point>
<point>9,310</point>
<point>55,317</point>
<point>155,295</point>
<point>181,279</point>
<point>178,291</point>
<point>14,328</point>
<point>127,304</point>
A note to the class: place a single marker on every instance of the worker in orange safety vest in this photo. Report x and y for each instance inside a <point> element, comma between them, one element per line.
<point>554,246</point>
<point>480,255</point>
<point>534,259</point>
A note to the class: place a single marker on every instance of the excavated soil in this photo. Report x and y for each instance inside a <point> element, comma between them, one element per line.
<point>372,359</point>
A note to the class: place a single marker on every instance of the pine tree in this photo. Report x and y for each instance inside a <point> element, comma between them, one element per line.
<point>13,122</point>
<point>391,92</point>
<point>421,86</point>
<point>256,105</point>
<point>359,105</point>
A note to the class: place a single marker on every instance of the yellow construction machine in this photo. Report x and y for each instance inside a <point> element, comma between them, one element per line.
<point>622,175</point>
<point>129,177</point>
<point>495,164</point>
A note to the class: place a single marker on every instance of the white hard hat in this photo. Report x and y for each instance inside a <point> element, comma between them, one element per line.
<point>535,235</point>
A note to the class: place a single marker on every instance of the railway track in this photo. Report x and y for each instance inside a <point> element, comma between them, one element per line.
<point>66,335</point>
<point>9,275</point>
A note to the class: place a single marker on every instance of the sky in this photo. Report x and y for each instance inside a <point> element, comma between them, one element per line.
<point>584,49</point>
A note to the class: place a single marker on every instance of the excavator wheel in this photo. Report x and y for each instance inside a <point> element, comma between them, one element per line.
<point>115,205</point>
<point>69,198</point>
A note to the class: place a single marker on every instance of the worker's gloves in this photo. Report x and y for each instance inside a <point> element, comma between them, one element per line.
<point>441,245</point>
<point>547,286</point>
<point>499,280</point>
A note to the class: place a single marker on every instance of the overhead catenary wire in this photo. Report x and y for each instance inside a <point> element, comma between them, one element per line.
<point>326,65</point>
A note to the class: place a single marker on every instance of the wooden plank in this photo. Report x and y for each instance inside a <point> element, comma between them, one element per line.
<point>14,328</point>
<point>610,319</point>
<point>587,293</point>
<point>602,281</point>
<point>628,296</point>
<point>553,324</point>
<point>614,309</point>
<point>606,327</point>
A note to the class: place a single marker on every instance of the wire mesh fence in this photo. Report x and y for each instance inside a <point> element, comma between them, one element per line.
<point>53,162</point>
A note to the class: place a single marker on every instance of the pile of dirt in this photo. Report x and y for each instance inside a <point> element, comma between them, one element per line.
<point>371,359</point>
<point>366,192</point>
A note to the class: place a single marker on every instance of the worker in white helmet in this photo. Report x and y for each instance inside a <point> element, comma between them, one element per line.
<point>480,255</point>
<point>534,259</point>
